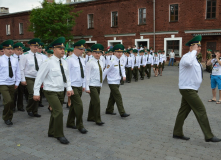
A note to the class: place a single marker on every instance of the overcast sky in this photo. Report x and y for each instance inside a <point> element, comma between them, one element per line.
<point>22,5</point>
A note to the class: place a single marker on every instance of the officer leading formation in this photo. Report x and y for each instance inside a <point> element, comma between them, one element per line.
<point>52,74</point>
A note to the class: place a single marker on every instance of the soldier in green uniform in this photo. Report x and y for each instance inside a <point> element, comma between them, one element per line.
<point>55,76</point>
<point>199,57</point>
<point>190,78</point>
<point>18,97</point>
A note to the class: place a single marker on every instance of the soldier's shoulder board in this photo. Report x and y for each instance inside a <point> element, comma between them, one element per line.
<point>26,53</point>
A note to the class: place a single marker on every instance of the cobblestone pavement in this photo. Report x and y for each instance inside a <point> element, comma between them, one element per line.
<point>146,134</point>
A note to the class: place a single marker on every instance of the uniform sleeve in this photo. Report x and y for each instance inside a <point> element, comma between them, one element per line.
<point>42,72</point>
<point>22,64</point>
<point>123,71</point>
<point>132,61</point>
<point>189,58</point>
<point>144,59</point>
<point>139,62</point>
<point>68,84</point>
<point>84,79</point>
<point>87,75</point>
<point>17,74</point>
<point>107,70</point>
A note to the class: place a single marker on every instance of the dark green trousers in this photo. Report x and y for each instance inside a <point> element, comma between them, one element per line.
<point>41,95</point>
<point>95,106</point>
<point>76,109</point>
<point>135,73</point>
<point>8,101</point>
<point>148,70</point>
<point>128,74</point>
<point>55,99</point>
<point>191,101</point>
<point>115,96</point>
<point>32,105</point>
<point>163,65</point>
<point>18,97</point>
<point>142,71</point>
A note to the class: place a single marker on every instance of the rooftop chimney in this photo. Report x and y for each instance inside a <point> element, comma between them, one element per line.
<point>4,10</point>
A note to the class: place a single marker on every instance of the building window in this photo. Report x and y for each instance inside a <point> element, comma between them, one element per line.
<point>21,31</point>
<point>8,32</point>
<point>211,9</point>
<point>173,12</point>
<point>142,16</point>
<point>90,21</point>
<point>173,45</point>
<point>114,19</point>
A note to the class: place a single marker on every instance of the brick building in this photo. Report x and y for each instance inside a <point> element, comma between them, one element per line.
<point>161,24</point>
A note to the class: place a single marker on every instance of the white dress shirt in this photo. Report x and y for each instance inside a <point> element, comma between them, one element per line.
<point>112,71</point>
<point>27,65</point>
<point>75,71</point>
<point>160,58</point>
<point>190,73</point>
<point>130,62</point>
<point>92,72</point>
<point>137,58</point>
<point>155,60</point>
<point>144,60</point>
<point>50,75</point>
<point>163,57</point>
<point>87,58</point>
<point>44,57</point>
<point>4,71</point>
<point>149,58</point>
<point>103,61</point>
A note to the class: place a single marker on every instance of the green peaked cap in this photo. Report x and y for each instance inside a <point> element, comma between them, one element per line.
<point>155,53</point>
<point>41,44</point>
<point>87,50</point>
<point>97,48</point>
<point>111,50</point>
<point>34,41</point>
<point>135,51</point>
<point>50,51</point>
<point>118,48</point>
<point>18,45</point>
<point>7,44</point>
<point>1,47</point>
<point>70,49</point>
<point>195,40</point>
<point>26,49</point>
<point>79,44</point>
<point>58,43</point>
<point>141,51</point>
<point>159,51</point>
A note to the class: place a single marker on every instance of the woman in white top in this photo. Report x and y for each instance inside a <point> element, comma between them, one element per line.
<point>172,56</point>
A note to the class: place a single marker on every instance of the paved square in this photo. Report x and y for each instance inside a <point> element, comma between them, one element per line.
<point>146,134</point>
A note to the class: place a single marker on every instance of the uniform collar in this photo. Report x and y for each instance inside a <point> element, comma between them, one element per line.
<point>74,56</point>
<point>15,55</point>
<point>55,58</point>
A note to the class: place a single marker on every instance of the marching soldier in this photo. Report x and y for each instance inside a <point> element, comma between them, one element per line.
<point>10,78</point>
<point>88,56</point>
<point>155,64</point>
<point>77,76</point>
<point>164,59</point>
<point>136,65</point>
<point>190,78</point>
<point>143,62</point>
<point>29,65</point>
<point>149,64</point>
<point>115,71</point>
<point>55,76</point>
<point>160,62</point>
<point>129,67</point>
<point>1,51</point>
<point>94,80</point>
<point>18,97</point>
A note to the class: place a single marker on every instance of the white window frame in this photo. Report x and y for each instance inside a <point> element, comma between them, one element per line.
<point>113,41</point>
<point>8,29</point>
<point>173,38</point>
<point>88,20</point>
<point>139,15</point>
<point>20,28</point>
<point>142,40</point>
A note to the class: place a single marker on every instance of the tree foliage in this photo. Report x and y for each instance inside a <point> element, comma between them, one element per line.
<point>53,20</point>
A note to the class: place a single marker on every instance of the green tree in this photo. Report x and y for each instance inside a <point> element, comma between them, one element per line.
<point>53,20</point>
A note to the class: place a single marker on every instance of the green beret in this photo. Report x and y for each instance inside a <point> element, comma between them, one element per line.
<point>118,48</point>
<point>195,40</point>
<point>41,44</point>
<point>18,45</point>
<point>70,49</point>
<point>34,42</point>
<point>79,44</point>
<point>135,51</point>
<point>58,43</point>
<point>97,48</point>
<point>8,44</point>
<point>1,47</point>
<point>141,51</point>
<point>50,51</point>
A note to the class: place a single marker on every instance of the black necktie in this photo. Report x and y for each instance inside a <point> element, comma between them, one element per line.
<point>141,59</point>
<point>10,68</point>
<point>148,57</point>
<point>100,71</point>
<point>18,58</point>
<point>135,60</point>
<point>127,60</point>
<point>200,67</point>
<point>36,63</point>
<point>120,69</point>
<point>88,59</point>
<point>110,57</point>
<point>155,59</point>
<point>81,68</point>
<point>62,72</point>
